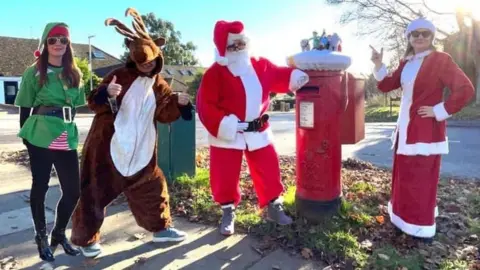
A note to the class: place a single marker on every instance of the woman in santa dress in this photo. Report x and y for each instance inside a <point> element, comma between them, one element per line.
<point>420,138</point>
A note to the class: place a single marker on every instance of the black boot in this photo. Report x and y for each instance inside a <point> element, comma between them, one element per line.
<point>44,250</point>
<point>58,237</point>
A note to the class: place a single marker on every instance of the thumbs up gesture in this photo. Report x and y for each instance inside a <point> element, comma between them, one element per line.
<point>113,88</point>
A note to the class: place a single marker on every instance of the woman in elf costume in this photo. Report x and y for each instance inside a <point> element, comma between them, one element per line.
<point>49,93</point>
<point>420,137</point>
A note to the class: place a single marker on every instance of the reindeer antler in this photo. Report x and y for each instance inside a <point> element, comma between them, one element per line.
<point>121,28</point>
<point>137,23</point>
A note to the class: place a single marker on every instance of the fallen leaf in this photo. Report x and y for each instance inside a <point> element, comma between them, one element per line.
<point>452,208</point>
<point>380,219</point>
<point>276,267</point>
<point>307,253</point>
<point>141,260</point>
<point>139,236</point>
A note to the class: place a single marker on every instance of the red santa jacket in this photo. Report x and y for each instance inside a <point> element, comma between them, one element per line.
<point>224,99</point>
<point>426,136</point>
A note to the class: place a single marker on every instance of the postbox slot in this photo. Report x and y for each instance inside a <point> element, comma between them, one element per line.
<point>309,89</point>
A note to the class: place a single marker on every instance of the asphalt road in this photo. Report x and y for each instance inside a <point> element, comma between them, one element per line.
<point>463,160</point>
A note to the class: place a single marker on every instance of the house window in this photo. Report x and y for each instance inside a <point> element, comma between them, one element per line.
<point>169,71</point>
<point>191,73</point>
<point>98,55</point>
<point>183,72</point>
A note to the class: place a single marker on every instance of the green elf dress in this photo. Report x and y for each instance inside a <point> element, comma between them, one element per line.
<point>54,104</point>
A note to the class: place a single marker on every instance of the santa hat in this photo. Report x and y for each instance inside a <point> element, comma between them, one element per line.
<point>51,29</point>
<point>420,23</point>
<point>223,35</point>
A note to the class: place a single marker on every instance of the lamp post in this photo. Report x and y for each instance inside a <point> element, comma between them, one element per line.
<point>90,60</point>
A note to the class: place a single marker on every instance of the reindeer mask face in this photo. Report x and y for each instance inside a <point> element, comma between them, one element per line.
<point>143,49</point>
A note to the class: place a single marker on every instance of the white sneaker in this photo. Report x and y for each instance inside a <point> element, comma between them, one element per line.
<point>91,251</point>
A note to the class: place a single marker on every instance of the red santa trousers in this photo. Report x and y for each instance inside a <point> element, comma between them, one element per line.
<point>412,207</point>
<point>225,166</point>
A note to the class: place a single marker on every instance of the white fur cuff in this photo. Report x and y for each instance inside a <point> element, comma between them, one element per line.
<point>381,73</point>
<point>298,79</point>
<point>228,128</point>
<point>440,112</point>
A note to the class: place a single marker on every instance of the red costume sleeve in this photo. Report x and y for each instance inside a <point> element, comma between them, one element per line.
<point>460,86</point>
<point>280,76</point>
<point>215,120</point>
<point>391,81</point>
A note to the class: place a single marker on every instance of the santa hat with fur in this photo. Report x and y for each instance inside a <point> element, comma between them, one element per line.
<point>51,29</point>
<point>420,23</point>
<point>223,35</point>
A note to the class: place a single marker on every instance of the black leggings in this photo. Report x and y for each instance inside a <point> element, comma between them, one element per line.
<point>67,168</point>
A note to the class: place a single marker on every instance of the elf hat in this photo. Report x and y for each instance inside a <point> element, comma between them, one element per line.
<point>51,29</point>
<point>223,33</point>
<point>420,23</point>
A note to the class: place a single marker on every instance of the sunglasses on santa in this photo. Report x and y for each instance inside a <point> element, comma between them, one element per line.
<point>53,40</point>
<point>425,34</point>
<point>237,45</point>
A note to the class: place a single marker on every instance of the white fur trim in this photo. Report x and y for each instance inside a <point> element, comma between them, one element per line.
<point>380,74</point>
<point>411,229</point>
<point>228,206</point>
<point>424,149</point>
<point>298,79</point>
<point>228,128</point>
<point>254,140</point>
<point>253,94</point>
<point>420,23</point>
<point>440,112</point>
<point>221,60</point>
<point>133,143</point>
<point>418,55</point>
<point>242,36</point>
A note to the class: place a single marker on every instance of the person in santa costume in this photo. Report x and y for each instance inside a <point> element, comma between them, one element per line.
<point>419,138</point>
<point>232,100</point>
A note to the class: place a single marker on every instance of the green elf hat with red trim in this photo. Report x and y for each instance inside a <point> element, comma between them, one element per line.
<point>51,29</point>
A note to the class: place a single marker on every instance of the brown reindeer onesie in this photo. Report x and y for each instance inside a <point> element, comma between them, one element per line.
<point>119,154</point>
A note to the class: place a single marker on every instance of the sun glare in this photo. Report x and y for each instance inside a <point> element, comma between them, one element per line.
<point>469,6</point>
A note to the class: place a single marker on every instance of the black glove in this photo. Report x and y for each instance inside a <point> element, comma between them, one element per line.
<point>186,112</point>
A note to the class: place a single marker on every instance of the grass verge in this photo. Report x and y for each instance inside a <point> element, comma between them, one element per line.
<point>360,236</point>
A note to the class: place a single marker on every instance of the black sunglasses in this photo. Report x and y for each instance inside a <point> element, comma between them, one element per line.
<point>53,40</point>
<point>425,34</point>
<point>237,46</point>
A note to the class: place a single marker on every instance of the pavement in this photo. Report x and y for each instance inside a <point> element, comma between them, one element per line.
<point>126,245</point>
<point>462,161</point>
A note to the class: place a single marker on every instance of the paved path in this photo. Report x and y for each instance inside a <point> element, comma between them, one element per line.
<point>462,161</point>
<point>124,242</point>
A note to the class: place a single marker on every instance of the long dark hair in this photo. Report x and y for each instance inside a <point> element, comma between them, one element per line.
<point>70,71</point>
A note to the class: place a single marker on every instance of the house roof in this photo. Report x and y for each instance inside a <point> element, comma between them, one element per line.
<point>16,54</point>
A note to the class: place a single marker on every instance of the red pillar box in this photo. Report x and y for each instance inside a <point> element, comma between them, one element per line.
<point>352,121</point>
<point>319,108</point>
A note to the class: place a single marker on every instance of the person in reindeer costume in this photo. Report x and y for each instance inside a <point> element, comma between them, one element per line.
<point>420,138</point>
<point>119,154</point>
<point>231,103</point>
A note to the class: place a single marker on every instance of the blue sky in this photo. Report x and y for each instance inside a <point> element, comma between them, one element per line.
<point>276,26</point>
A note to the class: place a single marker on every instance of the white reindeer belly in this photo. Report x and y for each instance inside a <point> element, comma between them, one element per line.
<point>133,142</point>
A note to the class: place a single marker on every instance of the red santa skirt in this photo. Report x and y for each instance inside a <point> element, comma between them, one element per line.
<point>412,207</point>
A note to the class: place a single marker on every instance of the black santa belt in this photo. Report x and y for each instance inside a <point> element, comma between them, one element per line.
<point>257,124</point>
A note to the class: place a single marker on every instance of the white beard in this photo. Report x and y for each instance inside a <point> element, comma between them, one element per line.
<point>239,62</point>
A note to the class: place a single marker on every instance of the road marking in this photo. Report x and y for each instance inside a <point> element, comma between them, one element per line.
<point>454,141</point>
<point>19,220</point>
